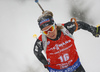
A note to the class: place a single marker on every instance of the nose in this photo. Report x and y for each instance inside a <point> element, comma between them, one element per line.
<point>50,32</point>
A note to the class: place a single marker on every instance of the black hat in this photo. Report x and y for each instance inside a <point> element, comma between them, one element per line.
<point>45,19</point>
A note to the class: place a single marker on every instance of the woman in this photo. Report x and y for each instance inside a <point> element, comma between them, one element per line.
<point>60,49</point>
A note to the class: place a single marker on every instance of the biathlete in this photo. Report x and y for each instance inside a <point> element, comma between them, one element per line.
<point>58,43</point>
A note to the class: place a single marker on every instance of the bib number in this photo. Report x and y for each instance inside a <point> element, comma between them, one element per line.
<point>65,57</point>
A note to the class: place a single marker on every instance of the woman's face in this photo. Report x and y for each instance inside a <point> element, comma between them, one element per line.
<point>51,34</point>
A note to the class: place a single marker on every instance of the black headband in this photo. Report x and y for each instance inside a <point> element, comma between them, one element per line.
<point>45,21</point>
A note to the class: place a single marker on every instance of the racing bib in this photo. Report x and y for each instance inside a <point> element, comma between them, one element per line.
<point>61,53</point>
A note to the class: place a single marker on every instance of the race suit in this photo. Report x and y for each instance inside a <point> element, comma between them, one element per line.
<point>61,52</point>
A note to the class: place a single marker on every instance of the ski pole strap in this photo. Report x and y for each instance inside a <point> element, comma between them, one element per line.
<point>75,22</point>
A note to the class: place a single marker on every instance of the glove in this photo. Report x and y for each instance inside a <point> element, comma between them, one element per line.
<point>46,66</point>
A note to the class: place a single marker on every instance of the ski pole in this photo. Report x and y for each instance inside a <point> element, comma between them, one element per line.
<point>39,5</point>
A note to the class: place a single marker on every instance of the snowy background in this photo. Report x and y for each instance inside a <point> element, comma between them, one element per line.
<point>18,24</point>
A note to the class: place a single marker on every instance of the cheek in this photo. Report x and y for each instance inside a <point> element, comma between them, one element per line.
<point>55,29</point>
<point>54,32</point>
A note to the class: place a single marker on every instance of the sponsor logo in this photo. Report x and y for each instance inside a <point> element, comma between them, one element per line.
<point>45,20</point>
<point>36,48</point>
<point>64,65</point>
<point>71,26</point>
<point>59,45</point>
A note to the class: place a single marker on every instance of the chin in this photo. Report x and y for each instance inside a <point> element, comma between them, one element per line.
<point>53,37</point>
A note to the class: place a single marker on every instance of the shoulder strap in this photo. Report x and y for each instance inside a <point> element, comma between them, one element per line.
<point>66,32</point>
<point>44,40</point>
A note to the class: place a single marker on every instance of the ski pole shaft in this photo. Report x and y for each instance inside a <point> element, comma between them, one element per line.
<point>39,5</point>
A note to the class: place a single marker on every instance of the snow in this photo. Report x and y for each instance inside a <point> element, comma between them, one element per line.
<point>18,24</point>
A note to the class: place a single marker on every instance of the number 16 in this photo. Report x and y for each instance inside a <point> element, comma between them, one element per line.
<point>63,58</point>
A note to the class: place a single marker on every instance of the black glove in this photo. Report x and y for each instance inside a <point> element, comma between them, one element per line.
<point>46,66</point>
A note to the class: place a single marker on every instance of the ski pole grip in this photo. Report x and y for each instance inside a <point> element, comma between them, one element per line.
<point>75,22</point>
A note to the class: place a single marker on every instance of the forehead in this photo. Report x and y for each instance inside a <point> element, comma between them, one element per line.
<point>45,28</point>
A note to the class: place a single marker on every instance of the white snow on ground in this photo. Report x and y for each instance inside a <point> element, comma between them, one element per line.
<point>18,23</point>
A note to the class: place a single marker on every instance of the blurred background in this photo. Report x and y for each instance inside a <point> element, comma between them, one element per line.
<point>18,24</point>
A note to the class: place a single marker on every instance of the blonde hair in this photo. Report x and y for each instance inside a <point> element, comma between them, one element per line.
<point>59,27</point>
<point>44,14</point>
